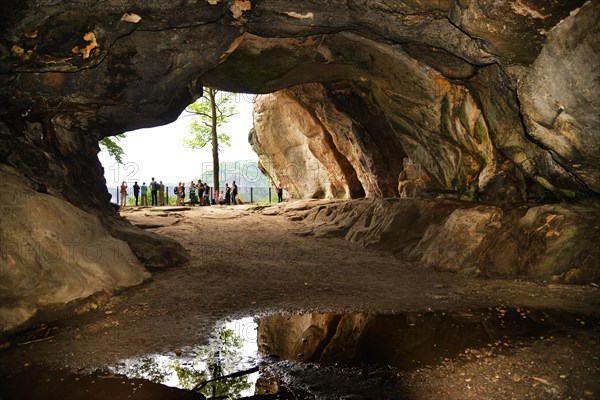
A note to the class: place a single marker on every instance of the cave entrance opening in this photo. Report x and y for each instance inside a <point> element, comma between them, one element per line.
<point>160,152</point>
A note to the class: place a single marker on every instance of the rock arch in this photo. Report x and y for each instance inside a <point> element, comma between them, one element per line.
<point>496,100</point>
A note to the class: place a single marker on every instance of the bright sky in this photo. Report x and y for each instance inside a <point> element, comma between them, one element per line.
<point>159,152</point>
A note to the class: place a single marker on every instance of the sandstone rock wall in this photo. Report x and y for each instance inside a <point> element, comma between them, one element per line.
<point>476,128</point>
<point>468,91</point>
<point>54,253</point>
<point>553,243</point>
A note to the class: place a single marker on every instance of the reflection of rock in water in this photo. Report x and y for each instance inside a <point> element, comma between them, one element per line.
<point>404,341</point>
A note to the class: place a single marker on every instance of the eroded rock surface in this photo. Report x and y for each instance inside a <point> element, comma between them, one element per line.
<point>459,120</point>
<point>556,243</point>
<point>54,253</point>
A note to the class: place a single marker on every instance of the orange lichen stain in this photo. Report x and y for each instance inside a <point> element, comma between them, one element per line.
<point>442,85</point>
<point>87,108</point>
<point>18,51</point>
<point>239,6</point>
<point>131,18</point>
<point>31,35</point>
<point>85,52</point>
<point>55,80</point>
<point>244,5</point>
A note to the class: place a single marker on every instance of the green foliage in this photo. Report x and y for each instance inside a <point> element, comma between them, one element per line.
<point>212,362</point>
<point>111,145</point>
<point>189,376</point>
<point>149,369</point>
<point>204,120</point>
<point>221,358</point>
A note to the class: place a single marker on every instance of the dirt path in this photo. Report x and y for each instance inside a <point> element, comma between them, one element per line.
<point>246,264</point>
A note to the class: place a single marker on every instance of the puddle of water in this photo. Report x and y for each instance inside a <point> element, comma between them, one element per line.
<point>233,349</point>
<point>404,341</point>
<point>307,356</point>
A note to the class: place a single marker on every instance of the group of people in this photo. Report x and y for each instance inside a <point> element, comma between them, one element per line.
<point>200,193</point>
<point>157,193</point>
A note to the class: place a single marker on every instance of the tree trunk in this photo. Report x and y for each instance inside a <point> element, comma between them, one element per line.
<point>215,143</point>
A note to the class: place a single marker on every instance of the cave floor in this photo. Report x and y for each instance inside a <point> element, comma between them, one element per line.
<point>247,263</point>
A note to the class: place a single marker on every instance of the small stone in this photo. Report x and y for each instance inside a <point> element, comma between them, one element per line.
<point>178,352</point>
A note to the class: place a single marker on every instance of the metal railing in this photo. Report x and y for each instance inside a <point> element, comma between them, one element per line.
<point>246,194</point>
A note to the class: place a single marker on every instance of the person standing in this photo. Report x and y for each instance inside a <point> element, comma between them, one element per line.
<point>192,194</point>
<point>144,193</point>
<point>227,194</point>
<point>123,191</point>
<point>154,192</point>
<point>136,192</point>
<point>176,192</point>
<point>234,193</point>
<point>206,194</point>
<point>182,193</point>
<point>200,188</point>
<point>216,195</point>
<point>279,193</point>
<point>161,193</point>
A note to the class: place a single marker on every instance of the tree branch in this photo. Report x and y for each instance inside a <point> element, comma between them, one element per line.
<point>198,113</point>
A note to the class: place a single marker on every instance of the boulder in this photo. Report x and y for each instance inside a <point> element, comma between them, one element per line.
<point>54,253</point>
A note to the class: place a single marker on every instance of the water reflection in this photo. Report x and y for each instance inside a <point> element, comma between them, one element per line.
<point>233,349</point>
<point>404,341</point>
<point>362,350</point>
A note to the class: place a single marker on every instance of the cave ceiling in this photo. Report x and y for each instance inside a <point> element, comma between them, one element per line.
<point>106,67</point>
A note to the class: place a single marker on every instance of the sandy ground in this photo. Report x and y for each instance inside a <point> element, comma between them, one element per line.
<point>245,263</point>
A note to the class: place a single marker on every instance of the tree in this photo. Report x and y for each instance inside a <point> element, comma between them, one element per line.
<point>111,145</point>
<point>209,112</point>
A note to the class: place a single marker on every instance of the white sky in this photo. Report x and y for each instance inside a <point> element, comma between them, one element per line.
<point>159,152</point>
